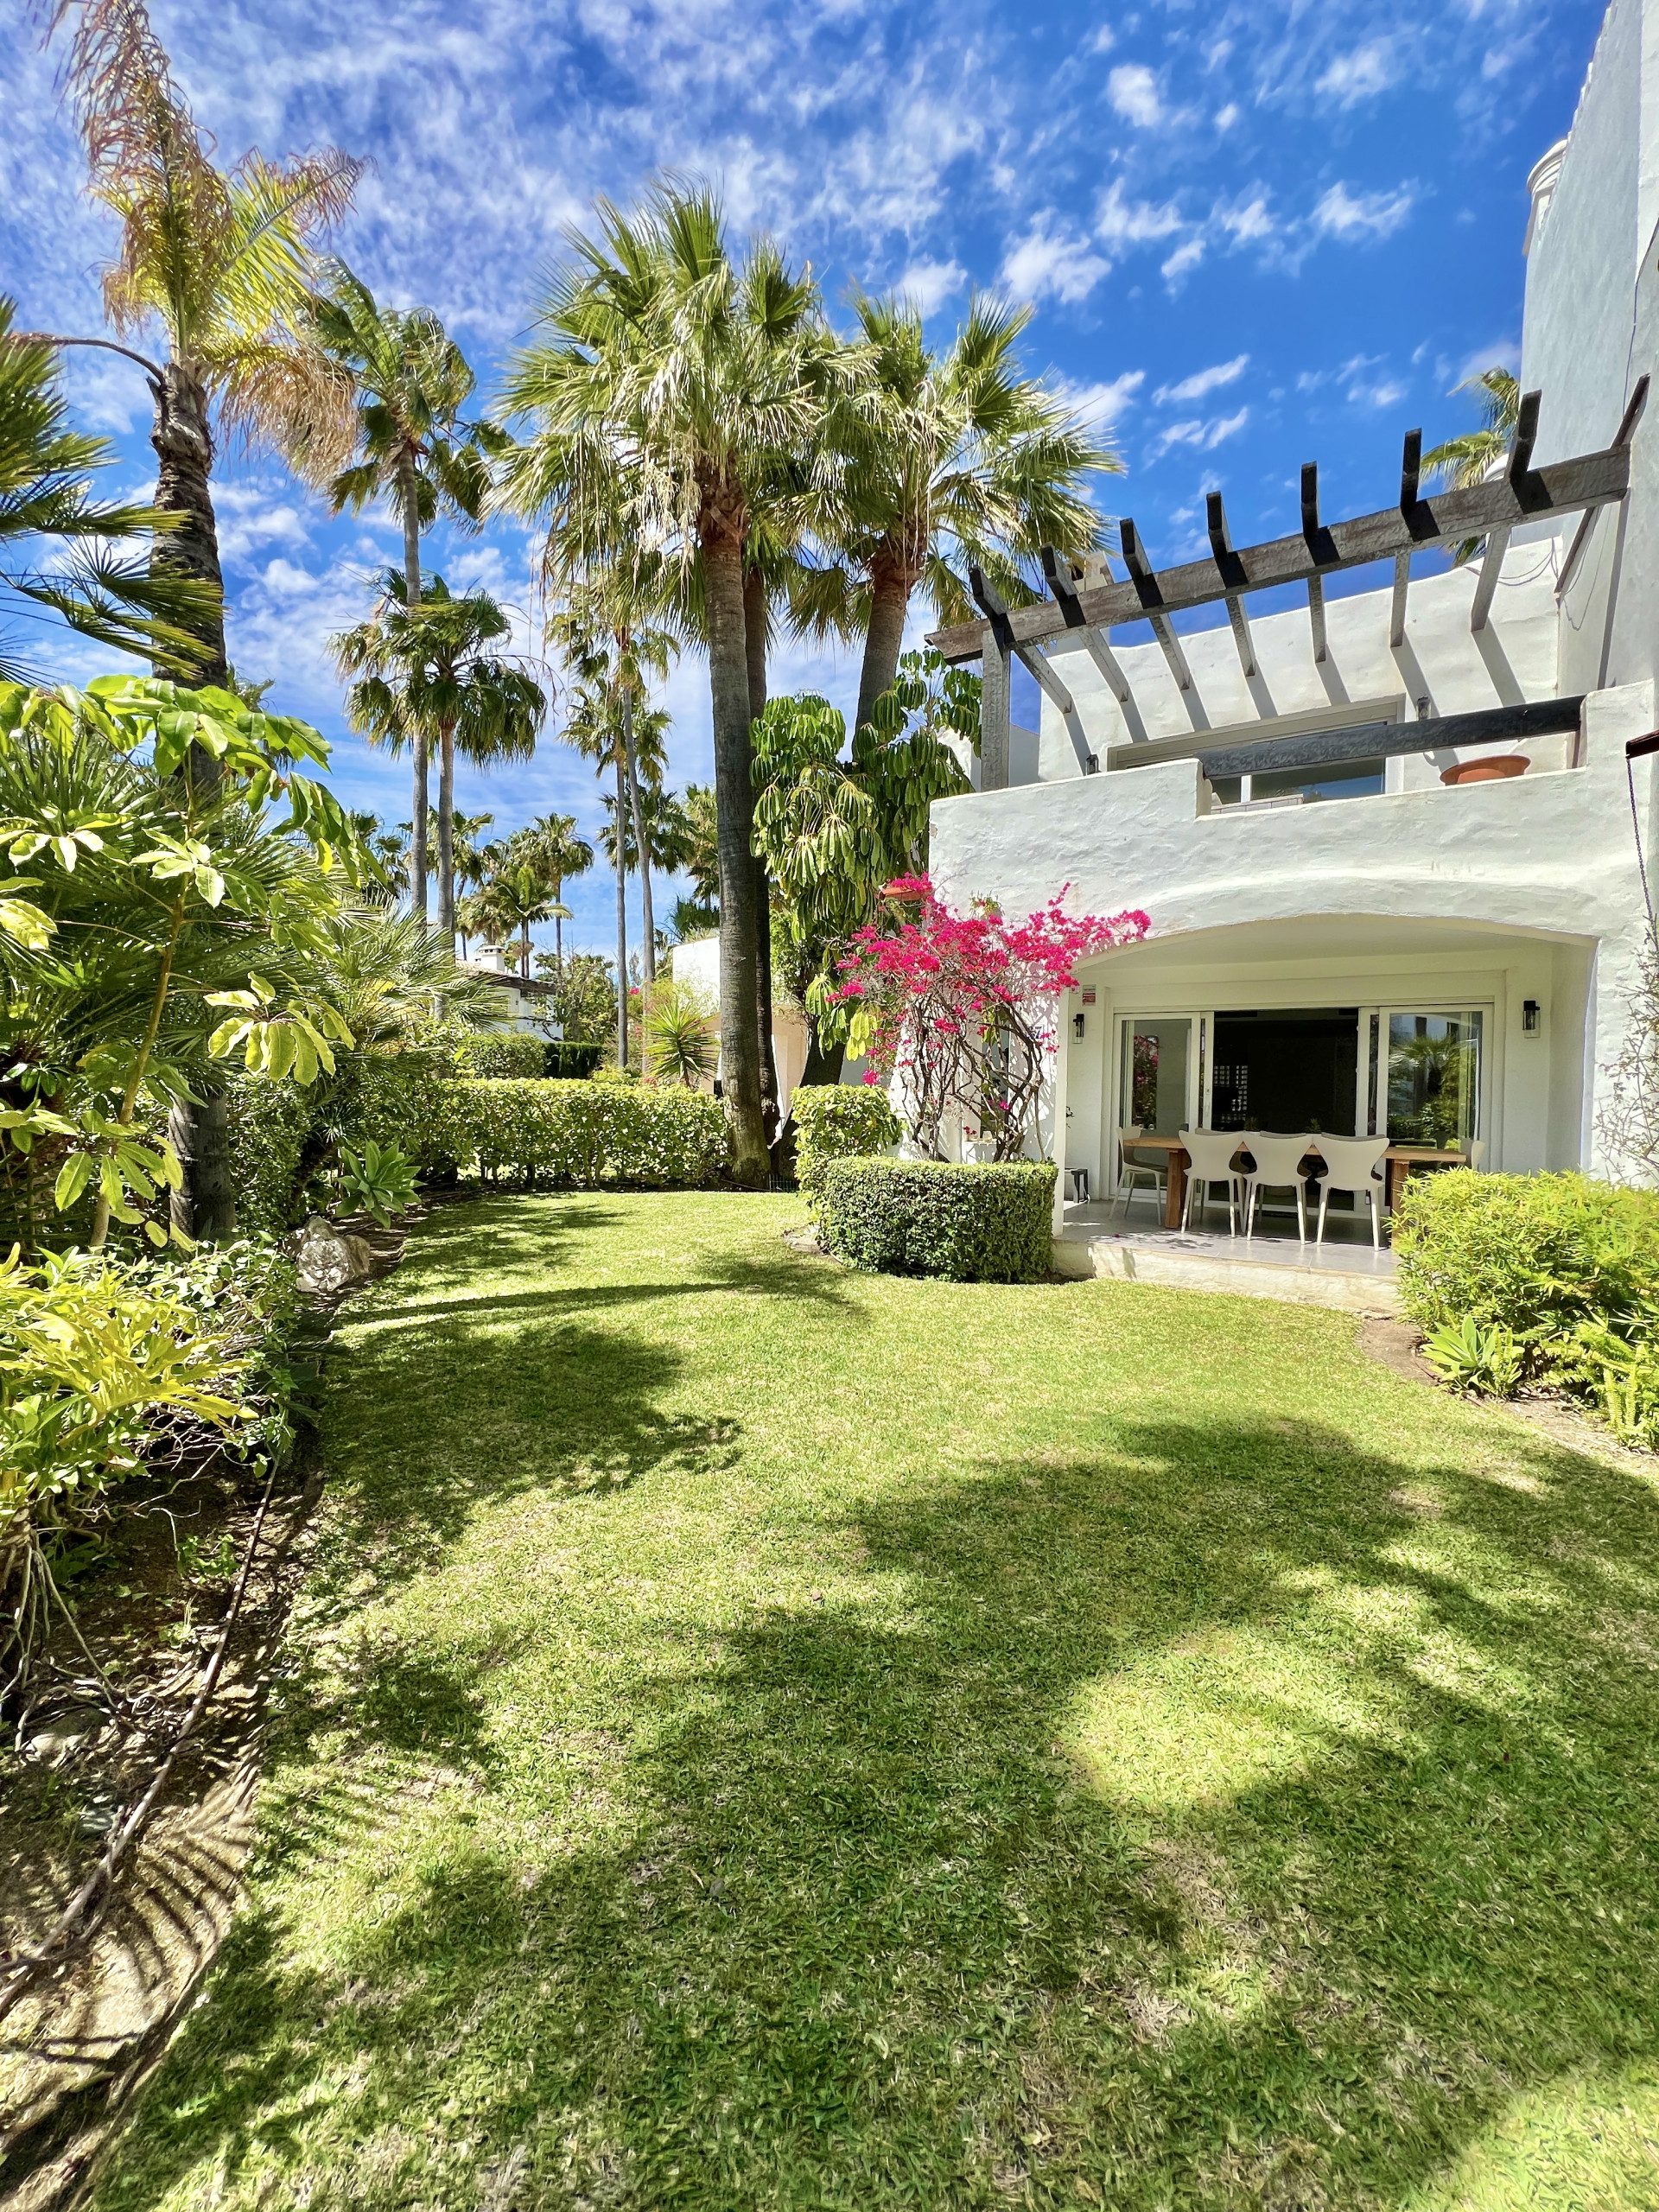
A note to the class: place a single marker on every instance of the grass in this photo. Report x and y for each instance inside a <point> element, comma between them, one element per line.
<point>760,1736</point>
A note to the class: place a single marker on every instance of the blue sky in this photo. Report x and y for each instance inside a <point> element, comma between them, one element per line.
<point>1255,235</point>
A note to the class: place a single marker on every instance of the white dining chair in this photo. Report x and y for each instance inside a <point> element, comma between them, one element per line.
<point>1209,1159</point>
<point>1278,1167</point>
<point>1476,1151</point>
<point>1131,1172</point>
<point>1355,1166</point>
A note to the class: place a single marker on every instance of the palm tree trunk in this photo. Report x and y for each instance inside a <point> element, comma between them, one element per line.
<point>728,682</point>
<point>648,951</point>
<point>889,604</point>
<point>754,655</point>
<point>524,948</point>
<point>446,835</point>
<point>621,922</point>
<point>558,934</point>
<point>408,497</point>
<point>205,1204</point>
<point>184,449</point>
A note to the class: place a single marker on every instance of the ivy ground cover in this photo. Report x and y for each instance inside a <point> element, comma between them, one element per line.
<point>760,1736</point>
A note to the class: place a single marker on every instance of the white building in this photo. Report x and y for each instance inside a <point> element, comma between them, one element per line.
<point>1340,939</point>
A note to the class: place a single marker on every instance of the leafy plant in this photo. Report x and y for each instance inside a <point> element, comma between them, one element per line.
<point>379,1180</point>
<point>605,1131</point>
<point>1485,1360</point>
<point>839,1120</point>
<point>678,1045</point>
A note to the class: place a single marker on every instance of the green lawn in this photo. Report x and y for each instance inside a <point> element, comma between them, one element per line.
<point>758,1736</point>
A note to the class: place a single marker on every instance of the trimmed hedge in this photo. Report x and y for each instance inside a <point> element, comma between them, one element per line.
<point>989,1222</point>
<point>838,1120</point>
<point>512,1054</point>
<point>568,1061</point>
<point>1533,1254</point>
<point>583,1133</point>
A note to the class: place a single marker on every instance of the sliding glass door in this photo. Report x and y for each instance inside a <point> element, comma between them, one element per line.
<point>1158,1077</point>
<point>1430,1080</point>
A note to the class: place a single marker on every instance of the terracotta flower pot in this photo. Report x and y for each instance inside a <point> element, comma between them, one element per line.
<point>1491,768</point>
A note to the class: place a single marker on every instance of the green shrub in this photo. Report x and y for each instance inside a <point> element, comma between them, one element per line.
<point>514,1054</point>
<point>567,1059</point>
<point>269,1125</point>
<point>1533,1254</point>
<point>838,1120</point>
<point>583,1133</point>
<point>978,1222</point>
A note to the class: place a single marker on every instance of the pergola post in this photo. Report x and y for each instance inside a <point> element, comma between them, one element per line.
<point>994,711</point>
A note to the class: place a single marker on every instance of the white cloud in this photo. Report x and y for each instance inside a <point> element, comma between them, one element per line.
<point>1203,381</point>
<point>1228,116</point>
<point>1203,436</point>
<point>1181,264</point>
<point>1360,384</point>
<point>1047,261</point>
<point>1340,214</point>
<point>1370,69</point>
<point>931,283</point>
<point>1133,93</point>
<point>1120,222</point>
<point>1099,405</point>
<point>1102,42</point>
<point>1246,220</point>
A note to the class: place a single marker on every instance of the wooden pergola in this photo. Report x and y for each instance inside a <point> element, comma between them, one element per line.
<point>1087,615</point>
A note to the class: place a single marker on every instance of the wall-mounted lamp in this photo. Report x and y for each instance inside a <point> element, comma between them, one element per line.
<point>1077,1023</point>
<point>1532,1016</point>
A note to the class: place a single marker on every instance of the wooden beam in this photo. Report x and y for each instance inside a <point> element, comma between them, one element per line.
<point>1497,541</point>
<point>1626,431</point>
<point>1066,598</point>
<point>1227,566</point>
<point>1379,741</point>
<point>1145,586</point>
<point>993,606</point>
<point>1397,604</point>
<point>1559,488</point>
<point>1317,539</point>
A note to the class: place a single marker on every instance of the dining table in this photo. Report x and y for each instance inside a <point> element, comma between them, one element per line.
<point>1398,1161</point>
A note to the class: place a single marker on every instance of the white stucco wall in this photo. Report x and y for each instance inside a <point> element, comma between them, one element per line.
<point>1592,328</point>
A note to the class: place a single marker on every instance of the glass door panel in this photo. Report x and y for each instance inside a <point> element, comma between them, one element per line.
<point>1433,1078</point>
<point>1157,1068</point>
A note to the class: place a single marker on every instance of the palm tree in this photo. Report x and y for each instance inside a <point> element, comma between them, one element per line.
<point>655,833</point>
<point>222,263</point>
<point>411,381</point>
<point>45,495</point>
<point>610,647</point>
<point>551,845</point>
<point>513,895</point>
<point>603,727</point>
<point>429,670</point>
<point>930,461</point>
<point>664,380</point>
<point>1470,458</point>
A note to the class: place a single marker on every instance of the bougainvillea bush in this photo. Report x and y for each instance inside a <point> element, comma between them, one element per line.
<point>961,1007</point>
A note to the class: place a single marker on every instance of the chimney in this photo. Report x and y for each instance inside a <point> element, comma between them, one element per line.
<point>1540,183</point>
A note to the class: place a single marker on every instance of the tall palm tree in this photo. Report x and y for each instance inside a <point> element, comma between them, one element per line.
<point>1470,459</point>
<point>934,459</point>
<point>429,670</point>
<point>610,645</point>
<point>411,381</point>
<point>654,834</point>
<point>45,501</point>
<point>664,380</point>
<point>601,726</point>
<point>221,263</point>
<point>552,847</point>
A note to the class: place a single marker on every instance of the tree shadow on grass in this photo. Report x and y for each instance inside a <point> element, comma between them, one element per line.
<point>1231,1817</point>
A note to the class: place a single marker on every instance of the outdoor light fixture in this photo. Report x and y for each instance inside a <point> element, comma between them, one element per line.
<point>1077,1026</point>
<point>1531,1016</point>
